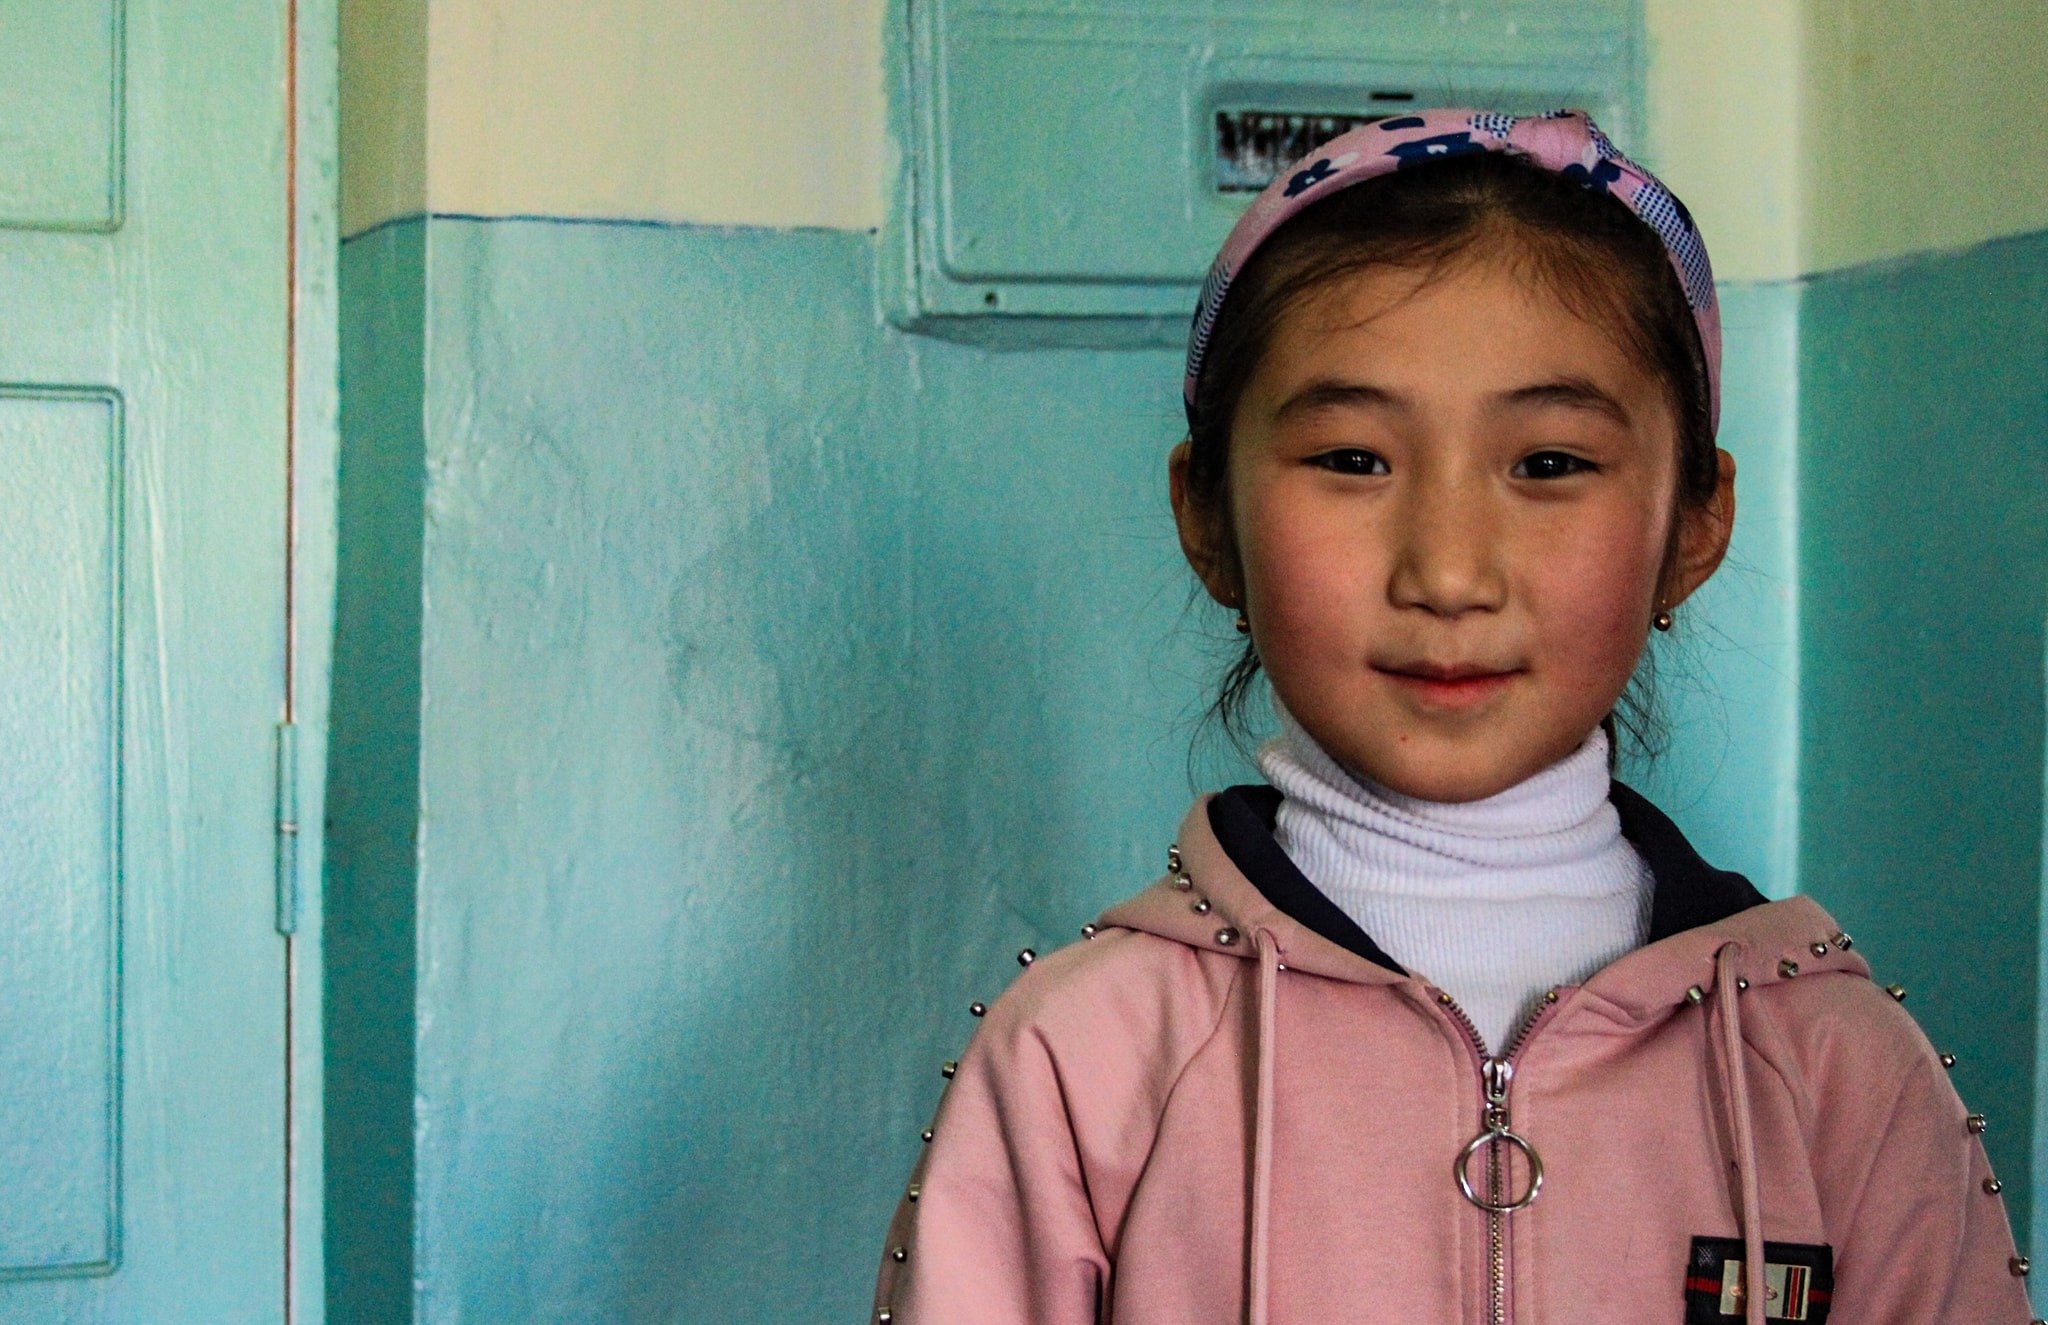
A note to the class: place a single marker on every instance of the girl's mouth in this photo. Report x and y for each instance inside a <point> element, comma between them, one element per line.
<point>1448,685</point>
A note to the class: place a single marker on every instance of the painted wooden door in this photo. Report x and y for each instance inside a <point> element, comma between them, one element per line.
<point>143,371</point>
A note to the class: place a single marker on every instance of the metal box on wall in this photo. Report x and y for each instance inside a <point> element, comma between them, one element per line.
<point>1068,167</point>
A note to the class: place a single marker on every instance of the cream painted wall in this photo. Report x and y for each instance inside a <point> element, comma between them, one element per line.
<point>383,111</point>
<point>729,112</point>
<point>1922,126</point>
<point>1717,70</point>
<point>1799,131</point>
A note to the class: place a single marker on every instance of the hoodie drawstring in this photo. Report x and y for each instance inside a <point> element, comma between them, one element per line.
<point>1262,1129</point>
<point>1728,1013</point>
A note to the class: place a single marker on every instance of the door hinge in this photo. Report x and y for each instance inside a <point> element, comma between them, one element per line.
<point>287,828</point>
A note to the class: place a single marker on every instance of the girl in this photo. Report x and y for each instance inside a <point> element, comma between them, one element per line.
<point>1444,1024</point>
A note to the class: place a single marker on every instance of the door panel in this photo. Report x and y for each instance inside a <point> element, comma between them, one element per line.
<point>143,387</point>
<point>60,528</point>
<point>60,100</point>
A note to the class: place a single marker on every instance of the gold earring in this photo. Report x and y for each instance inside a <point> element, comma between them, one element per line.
<point>1662,620</point>
<point>1244,623</point>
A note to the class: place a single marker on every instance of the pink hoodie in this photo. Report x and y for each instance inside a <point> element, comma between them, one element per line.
<point>1211,1112</point>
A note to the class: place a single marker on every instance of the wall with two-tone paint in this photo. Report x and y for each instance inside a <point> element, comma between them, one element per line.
<point>728,683</point>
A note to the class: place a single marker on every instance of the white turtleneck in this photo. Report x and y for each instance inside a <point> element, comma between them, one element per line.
<point>1494,901</point>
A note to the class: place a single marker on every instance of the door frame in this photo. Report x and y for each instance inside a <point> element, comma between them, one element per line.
<point>312,156</point>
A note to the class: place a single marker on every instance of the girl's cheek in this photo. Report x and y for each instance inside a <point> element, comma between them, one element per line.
<point>1301,574</point>
<point>1601,599</point>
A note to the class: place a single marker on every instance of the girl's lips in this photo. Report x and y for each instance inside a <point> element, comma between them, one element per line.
<point>1448,687</point>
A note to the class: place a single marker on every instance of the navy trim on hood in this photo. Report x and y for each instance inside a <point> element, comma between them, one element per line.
<point>1688,891</point>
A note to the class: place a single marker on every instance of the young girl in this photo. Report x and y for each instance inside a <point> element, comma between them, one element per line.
<point>1444,1025</point>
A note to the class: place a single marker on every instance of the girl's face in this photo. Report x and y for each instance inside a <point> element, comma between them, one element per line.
<point>1453,504</point>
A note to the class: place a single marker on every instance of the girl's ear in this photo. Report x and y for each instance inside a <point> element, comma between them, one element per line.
<point>1703,541</point>
<point>1201,539</point>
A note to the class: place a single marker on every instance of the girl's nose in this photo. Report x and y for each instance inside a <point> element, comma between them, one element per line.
<point>1447,557</point>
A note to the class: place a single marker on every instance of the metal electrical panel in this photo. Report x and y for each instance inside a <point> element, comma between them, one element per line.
<point>1069,167</point>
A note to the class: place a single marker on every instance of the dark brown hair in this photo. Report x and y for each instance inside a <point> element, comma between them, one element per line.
<point>1583,246</point>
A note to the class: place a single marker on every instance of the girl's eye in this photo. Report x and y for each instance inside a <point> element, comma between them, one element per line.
<point>1351,461</point>
<point>1553,464</point>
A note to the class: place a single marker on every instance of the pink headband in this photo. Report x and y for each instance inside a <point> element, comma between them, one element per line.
<point>1566,141</point>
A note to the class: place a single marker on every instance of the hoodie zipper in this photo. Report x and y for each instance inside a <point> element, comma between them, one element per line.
<point>1496,1076</point>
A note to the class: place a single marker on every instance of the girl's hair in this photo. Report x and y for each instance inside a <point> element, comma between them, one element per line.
<point>1584,247</point>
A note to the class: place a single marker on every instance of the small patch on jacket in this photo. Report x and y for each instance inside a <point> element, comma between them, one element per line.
<point>1799,1281</point>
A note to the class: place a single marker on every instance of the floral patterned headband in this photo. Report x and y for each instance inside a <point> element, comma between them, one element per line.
<point>1566,141</point>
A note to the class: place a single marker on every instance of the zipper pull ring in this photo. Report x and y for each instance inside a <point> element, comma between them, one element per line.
<point>1498,1074</point>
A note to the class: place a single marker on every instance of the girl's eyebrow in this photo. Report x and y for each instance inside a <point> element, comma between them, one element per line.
<point>1570,393</point>
<point>1330,393</point>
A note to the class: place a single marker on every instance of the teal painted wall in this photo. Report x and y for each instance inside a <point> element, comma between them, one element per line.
<point>1726,678</point>
<point>373,773</point>
<point>780,676</point>
<point>1924,575</point>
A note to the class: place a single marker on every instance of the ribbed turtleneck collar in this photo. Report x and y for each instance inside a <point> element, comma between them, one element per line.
<point>1557,817</point>
<point>1494,901</point>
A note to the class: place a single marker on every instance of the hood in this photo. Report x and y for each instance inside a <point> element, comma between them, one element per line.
<point>1229,884</point>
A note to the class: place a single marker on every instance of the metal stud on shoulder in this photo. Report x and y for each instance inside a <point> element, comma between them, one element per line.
<point>1993,1186</point>
<point>883,1317</point>
<point>2019,1265</point>
<point>1026,957</point>
<point>926,1136</point>
<point>899,1254</point>
<point>1976,1123</point>
<point>914,1192</point>
<point>1898,992</point>
<point>1948,1061</point>
<point>1088,931</point>
<point>1173,859</point>
<point>947,1069</point>
<point>978,1008</point>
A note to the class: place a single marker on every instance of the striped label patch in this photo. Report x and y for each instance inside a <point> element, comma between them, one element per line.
<point>1799,1281</point>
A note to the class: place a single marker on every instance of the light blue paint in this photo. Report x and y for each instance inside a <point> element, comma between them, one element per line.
<point>142,581</point>
<point>61,98</point>
<point>781,676</point>
<point>316,401</point>
<point>1727,677</point>
<point>1924,571</point>
<point>60,797</point>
